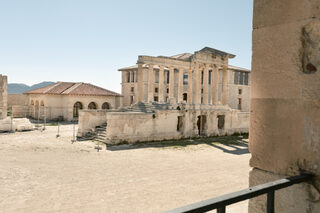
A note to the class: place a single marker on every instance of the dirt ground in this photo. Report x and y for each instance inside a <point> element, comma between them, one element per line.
<point>42,173</point>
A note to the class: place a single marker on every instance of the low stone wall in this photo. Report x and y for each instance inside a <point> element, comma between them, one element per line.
<point>89,119</point>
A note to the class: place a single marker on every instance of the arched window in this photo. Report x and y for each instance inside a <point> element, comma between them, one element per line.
<point>92,105</point>
<point>76,107</point>
<point>41,103</point>
<point>105,105</point>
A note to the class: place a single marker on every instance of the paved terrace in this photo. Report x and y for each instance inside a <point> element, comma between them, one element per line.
<point>42,173</point>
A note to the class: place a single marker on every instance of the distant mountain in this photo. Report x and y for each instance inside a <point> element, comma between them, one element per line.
<point>21,88</point>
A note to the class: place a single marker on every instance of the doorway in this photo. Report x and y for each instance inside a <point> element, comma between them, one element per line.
<point>201,124</point>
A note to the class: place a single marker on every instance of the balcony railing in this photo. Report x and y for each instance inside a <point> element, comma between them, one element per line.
<point>221,202</point>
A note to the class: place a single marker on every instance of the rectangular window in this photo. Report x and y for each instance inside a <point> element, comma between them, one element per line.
<point>236,77</point>
<point>128,76</point>
<point>241,78</point>
<point>132,89</point>
<point>180,123</point>
<point>221,121</point>
<point>132,78</point>
<point>167,90</point>
<point>185,79</point>
<point>202,76</point>
<point>131,100</point>
<point>239,103</point>
<point>168,77</point>
<point>246,79</point>
<point>155,98</point>
<point>240,91</point>
<point>156,90</point>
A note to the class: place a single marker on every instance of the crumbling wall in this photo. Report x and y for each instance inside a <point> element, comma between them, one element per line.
<point>89,119</point>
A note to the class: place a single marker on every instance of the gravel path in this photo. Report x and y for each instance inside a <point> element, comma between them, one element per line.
<point>42,173</point>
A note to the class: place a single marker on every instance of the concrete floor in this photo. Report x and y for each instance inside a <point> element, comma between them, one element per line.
<point>42,173</point>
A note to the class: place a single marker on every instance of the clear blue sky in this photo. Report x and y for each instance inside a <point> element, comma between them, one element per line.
<point>88,40</point>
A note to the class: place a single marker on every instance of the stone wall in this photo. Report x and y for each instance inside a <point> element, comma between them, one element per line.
<point>3,96</point>
<point>163,124</point>
<point>285,100</point>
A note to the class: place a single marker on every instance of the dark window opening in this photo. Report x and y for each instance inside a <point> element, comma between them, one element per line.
<point>155,98</point>
<point>180,124</point>
<point>131,100</point>
<point>201,124</point>
<point>202,73</point>
<point>132,79</point>
<point>92,105</point>
<point>221,121</point>
<point>240,91</point>
<point>185,96</point>
<point>128,76</point>
<point>168,77</point>
<point>239,103</point>
<point>210,77</point>
<point>105,105</point>
<point>76,107</point>
<point>156,90</point>
<point>167,90</point>
<point>132,89</point>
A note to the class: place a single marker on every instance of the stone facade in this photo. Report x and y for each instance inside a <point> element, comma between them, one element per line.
<point>200,78</point>
<point>3,96</point>
<point>285,101</point>
<point>187,95</point>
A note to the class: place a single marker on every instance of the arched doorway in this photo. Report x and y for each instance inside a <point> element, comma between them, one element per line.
<point>76,107</point>
<point>92,105</point>
<point>105,105</point>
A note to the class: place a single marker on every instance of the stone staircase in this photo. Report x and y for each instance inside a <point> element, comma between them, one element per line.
<point>101,133</point>
<point>146,107</point>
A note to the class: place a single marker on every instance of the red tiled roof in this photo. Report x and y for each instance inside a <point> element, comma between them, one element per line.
<point>70,88</point>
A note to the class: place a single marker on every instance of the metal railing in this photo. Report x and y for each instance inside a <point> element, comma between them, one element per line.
<point>221,202</point>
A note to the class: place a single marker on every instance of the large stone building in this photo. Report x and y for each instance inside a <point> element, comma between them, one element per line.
<point>204,77</point>
<point>63,100</point>
<point>3,96</point>
<point>187,95</point>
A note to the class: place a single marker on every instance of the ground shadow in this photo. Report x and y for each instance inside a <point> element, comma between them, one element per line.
<point>237,143</point>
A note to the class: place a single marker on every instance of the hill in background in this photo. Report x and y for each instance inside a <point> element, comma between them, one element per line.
<point>21,88</point>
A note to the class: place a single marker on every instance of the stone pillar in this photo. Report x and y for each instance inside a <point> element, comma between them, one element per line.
<point>215,85</point>
<point>224,84</point>
<point>3,96</point>
<point>161,84</point>
<point>190,89</point>
<point>205,84</point>
<point>140,83</point>
<point>150,83</point>
<point>285,101</point>
<point>197,89</point>
<point>171,82</point>
<point>180,87</point>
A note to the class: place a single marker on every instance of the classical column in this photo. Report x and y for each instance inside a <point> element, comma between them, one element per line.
<point>224,84</point>
<point>180,87</point>
<point>197,89</point>
<point>140,83</point>
<point>161,84</point>
<point>150,83</point>
<point>171,82</point>
<point>205,84</point>
<point>215,85</point>
<point>190,91</point>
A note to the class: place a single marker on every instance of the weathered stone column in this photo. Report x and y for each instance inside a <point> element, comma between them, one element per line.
<point>150,83</point>
<point>285,101</point>
<point>205,84</point>
<point>171,82</point>
<point>140,83</point>
<point>215,85</point>
<point>180,87</point>
<point>3,96</point>
<point>161,84</point>
<point>224,85</point>
<point>190,89</point>
<point>197,89</point>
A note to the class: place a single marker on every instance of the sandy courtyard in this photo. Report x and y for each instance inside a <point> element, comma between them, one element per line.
<point>42,173</point>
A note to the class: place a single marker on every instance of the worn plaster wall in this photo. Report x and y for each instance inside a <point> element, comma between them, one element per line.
<point>89,119</point>
<point>285,98</point>
<point>134,127</point>
<point>3,96</point>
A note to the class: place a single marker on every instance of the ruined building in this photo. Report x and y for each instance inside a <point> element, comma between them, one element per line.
<point>3,96</point>
<point>186,95</point>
